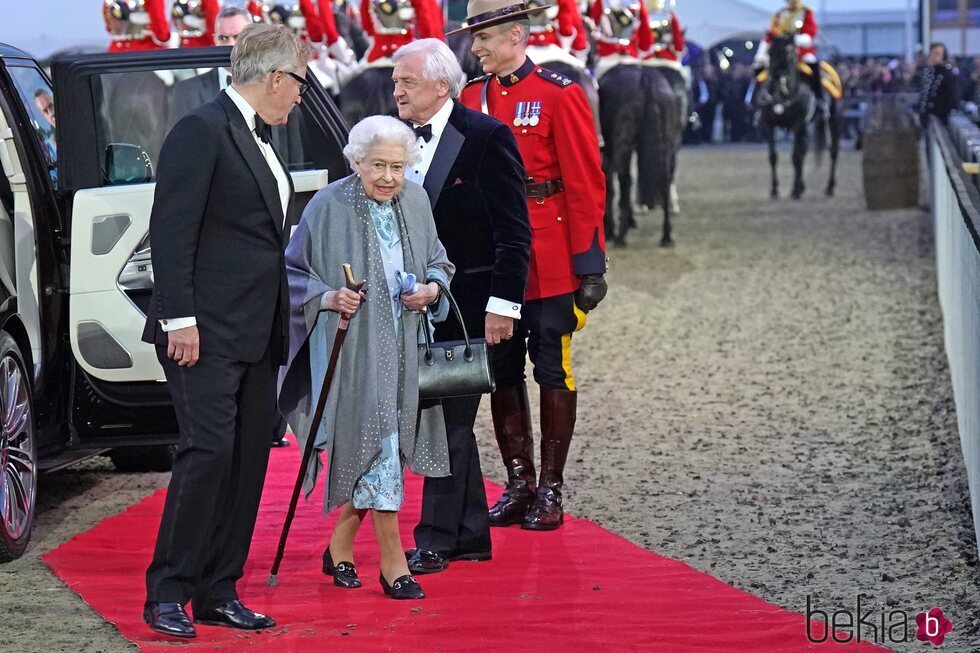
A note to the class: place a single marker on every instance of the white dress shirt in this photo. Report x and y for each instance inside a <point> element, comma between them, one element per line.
<point>417,174</point>
<point>282,182</point>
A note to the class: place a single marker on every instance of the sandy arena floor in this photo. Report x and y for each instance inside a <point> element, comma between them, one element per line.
<point>769,401</point>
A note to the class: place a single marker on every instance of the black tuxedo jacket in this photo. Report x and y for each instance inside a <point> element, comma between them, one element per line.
<point>216,236</point>
<point>188,94</point>
<point>475,184</point>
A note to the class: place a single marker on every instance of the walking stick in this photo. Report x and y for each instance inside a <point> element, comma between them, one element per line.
<point>315,426</point>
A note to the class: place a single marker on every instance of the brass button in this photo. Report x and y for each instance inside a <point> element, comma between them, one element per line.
<point>523,131</point>
<point>559,218</point>
<point>503,92</point>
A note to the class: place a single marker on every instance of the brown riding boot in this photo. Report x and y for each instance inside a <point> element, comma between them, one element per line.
<point>557,425</point>
<point>512,426</point>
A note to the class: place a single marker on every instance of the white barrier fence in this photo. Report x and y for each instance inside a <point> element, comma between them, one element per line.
<point>956,217</point>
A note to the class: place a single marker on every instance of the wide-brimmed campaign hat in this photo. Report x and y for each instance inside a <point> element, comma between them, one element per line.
<point>486,13</point>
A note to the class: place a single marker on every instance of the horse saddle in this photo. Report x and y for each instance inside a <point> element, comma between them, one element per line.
<point>828,77</point>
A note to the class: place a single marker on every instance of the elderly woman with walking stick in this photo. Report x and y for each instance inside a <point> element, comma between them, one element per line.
<point>372,426</point>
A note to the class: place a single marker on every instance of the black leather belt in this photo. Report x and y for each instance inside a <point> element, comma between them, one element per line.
<point>542,189</point>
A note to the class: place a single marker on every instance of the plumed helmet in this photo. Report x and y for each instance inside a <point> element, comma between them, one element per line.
<point>188,15</point>
<point>394,15</point>
<point>619,20</point>
<point>289,14</point>
<point>125,16</point>
<point>541,19</point>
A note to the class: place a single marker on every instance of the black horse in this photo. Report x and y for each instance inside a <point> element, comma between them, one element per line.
<point>787,101</point>
<point>370,92</point>
<point>637,113</point>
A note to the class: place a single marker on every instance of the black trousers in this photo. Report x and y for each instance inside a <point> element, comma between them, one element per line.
<point>545,332</point>
<point>454,508</point>
<point>226,410</point>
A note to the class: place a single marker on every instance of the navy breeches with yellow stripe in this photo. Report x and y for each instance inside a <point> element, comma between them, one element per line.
<point>545,332</point>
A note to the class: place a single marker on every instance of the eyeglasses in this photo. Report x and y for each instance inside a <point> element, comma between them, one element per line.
<point>304,85</point>
<point>394,169</point>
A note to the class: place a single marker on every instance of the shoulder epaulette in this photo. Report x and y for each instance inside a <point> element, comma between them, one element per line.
<point>555,78</point>
<point>476,79</point>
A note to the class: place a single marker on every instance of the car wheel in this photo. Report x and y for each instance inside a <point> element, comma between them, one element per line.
<point>18,452</point>
<point>159,458</point>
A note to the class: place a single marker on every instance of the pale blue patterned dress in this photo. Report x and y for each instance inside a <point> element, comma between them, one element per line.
<point>382,486</point>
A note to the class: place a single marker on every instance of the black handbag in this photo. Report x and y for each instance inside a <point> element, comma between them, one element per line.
<point>454,368</point>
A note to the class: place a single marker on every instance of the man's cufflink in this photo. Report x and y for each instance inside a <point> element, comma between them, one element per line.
<point>163,322</point>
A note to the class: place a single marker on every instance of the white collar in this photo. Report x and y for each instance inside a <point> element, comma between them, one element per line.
<point>247,111</point>
<point>441,119</point>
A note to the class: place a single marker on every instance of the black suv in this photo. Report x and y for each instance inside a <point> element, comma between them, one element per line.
<point>77,156</point>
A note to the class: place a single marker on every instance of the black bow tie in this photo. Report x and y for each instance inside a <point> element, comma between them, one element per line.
<point>262,130</point>
<point>424,132</point>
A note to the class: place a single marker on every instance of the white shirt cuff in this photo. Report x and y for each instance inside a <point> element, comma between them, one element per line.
<point>177,323</point>
<point>503,307</point>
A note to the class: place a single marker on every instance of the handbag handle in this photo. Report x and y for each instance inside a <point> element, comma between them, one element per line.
<point>424,323</point>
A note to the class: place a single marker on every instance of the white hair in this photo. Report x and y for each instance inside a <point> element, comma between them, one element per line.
<point>381,130</point>
<point>261,49</point>
<point>438,62</point>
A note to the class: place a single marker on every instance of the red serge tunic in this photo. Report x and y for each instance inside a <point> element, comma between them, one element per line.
<point>639,45</point>
<point>799,22</point>
<point>555,132</point>
<point>427,23</point>
<point>206,38</point>
<point>155,38</point>
<point>670,51</point>
<point>568,24</point>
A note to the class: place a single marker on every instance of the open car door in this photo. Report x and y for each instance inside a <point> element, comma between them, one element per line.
<point>114,111</point>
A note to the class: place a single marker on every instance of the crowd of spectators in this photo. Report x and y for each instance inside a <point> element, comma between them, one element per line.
<point>722,98</point>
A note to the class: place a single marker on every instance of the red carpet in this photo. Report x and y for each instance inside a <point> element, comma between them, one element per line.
<point>580,588</point>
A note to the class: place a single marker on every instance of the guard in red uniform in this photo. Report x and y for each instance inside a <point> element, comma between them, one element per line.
<point>668,37</point>
<point>558,26</point>
<point>798,22</point>
<point>394,23</point>
<point>622,30</point>
<point>258,9</point>
<point>194,20</point>
<point>553,125</point>
<point>136,24</point>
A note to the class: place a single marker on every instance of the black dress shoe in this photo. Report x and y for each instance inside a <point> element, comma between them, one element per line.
<point>168,619</point>
<point>344,573</point>
<point>404,587</point>
<point>471,556</point>
<point>423,561</point>
<point>234,615</point>
<point>280,441</point>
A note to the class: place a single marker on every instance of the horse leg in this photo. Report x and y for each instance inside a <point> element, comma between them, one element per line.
<point>609,219</point>
<point>675,205</point>
<point>799,155</point>
<point>627,220</point>
<point>665,239</point>
<point>773,161</point>
<point>834,127</point>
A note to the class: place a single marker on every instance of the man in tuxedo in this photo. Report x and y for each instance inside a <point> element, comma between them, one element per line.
<point>191,93</point>
<point>473,174</point>
<point>218,318</point>
<point>188,94</point>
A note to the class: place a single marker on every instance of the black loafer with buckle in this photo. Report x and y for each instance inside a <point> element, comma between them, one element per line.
<point>344,573</point>
<point>404,587</point>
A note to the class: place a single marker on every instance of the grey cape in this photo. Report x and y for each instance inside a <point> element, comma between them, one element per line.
<point>375,388</point>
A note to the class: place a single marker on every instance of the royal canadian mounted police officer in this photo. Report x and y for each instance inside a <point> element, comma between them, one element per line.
<point>553,125</point>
